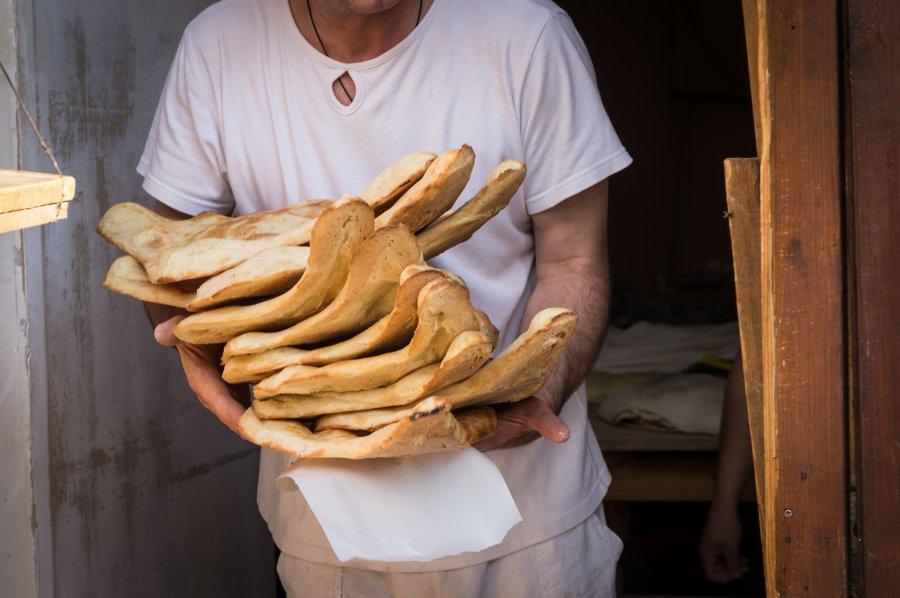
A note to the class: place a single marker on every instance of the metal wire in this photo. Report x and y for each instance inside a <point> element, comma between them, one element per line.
<point>27,114</point>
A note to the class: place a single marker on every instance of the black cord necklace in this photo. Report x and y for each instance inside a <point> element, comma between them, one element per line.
<point>325,52</point>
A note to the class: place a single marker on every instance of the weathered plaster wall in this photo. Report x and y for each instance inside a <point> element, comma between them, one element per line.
<point>138,490</point>
<point>17,572</point>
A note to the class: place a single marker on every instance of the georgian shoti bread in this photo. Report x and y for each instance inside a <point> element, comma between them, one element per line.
<point>141,232</point>
<point>199,247</point>
<point>389,333</point>
<point>337,233</point>
<point>393,182</point>
<point>455,227</point>
<point>444,312</point>
<point>432,428</point>
<point>279,268</point>
<point>468,352</point>
<point>367,295</point>
<point>449,230</point>
<point>127,276</point>
<point>517,373</point>
<point>271,272</point>
<point>434,193</point>
<point>258,366</point>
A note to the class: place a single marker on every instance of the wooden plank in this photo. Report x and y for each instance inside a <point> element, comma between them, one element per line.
<point>804,354</point>
<point>20,219</point>
<point>873,50</point>
<point>751,35</point>
<point>20,190</point>
<point>742,195</point>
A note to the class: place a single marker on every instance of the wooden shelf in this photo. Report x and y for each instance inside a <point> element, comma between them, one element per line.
<point>33,198</point>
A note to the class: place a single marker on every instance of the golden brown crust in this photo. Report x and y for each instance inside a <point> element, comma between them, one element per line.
<point>271,272</point>
<point>468,352</point>
<point>366,296</point>
<point>336,235</point>
<point>444,312</point>
<point>394,181</point>
<point>458,226</point>
<point>517,373</point>
<point>432,428</point>
<point>434,193</point>
<point>206,244</point>
<point>387,334</point>
<point>127,276</point>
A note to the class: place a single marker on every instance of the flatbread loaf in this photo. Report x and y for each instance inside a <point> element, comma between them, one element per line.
<point>393,182</point>
<point>271,272</point>
<point>337,233</point>
<point>517,373</point>
<point>455,227</point>
<point>199,247</point>
<point>366,296</point>
<point>127,276</point>
<point>434,193</point>
<point>432,428</point>
<point>444,312</point>
<point>389,333</point>
<point>468,352</point>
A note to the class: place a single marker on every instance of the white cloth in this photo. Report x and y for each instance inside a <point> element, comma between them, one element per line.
<point>665,348</point>
<point>248,121</point>
<point>690,403</point>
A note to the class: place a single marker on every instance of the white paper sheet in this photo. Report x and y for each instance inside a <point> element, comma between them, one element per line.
<point>406,509</point>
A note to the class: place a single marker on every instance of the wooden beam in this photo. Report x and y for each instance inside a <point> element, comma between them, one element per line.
<point>873,52</point>
<point>804,353</point>
<point>33,198</point>
<point>742,195</point>
<point>20,219</point>
<point>20,190</point>
<point>751,35</point>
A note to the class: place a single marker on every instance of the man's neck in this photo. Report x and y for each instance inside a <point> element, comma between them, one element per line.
<point>352,35</point>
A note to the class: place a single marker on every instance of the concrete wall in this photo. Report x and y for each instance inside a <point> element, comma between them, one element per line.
<point>138,491</point>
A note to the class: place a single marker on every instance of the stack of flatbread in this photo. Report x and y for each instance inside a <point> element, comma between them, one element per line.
<point>356,347</point>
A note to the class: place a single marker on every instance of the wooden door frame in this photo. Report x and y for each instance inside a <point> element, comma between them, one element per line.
<point>872,97</point>
<point>803,399</point>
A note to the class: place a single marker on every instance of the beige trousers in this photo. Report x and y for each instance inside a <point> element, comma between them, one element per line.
<point>580,563</point>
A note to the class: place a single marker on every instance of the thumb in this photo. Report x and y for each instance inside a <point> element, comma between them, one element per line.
<point>164,333</point>
<point>547,423</point>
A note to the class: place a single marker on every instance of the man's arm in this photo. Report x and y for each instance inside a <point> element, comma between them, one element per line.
<point>200,362</point>
<point>720,542</point>
<point>572,271</point>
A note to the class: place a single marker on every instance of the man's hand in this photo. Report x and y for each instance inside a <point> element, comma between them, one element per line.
<point>720,545</point>
<point>521,422</point>
<point>201,368</point>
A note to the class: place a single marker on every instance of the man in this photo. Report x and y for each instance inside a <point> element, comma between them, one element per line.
<point>270,102</point>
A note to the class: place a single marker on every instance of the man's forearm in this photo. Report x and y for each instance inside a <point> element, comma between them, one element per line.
<point>583,288</point>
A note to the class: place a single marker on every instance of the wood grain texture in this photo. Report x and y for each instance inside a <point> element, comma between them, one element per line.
<point>803,350</point>
<point>742,195</point>
<point>751,35</point>
<point>21,190</point>
<point>10,221</point>
<point>873,50</point>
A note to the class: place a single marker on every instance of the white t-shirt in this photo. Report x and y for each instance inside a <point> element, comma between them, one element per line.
<point>248,121</point>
